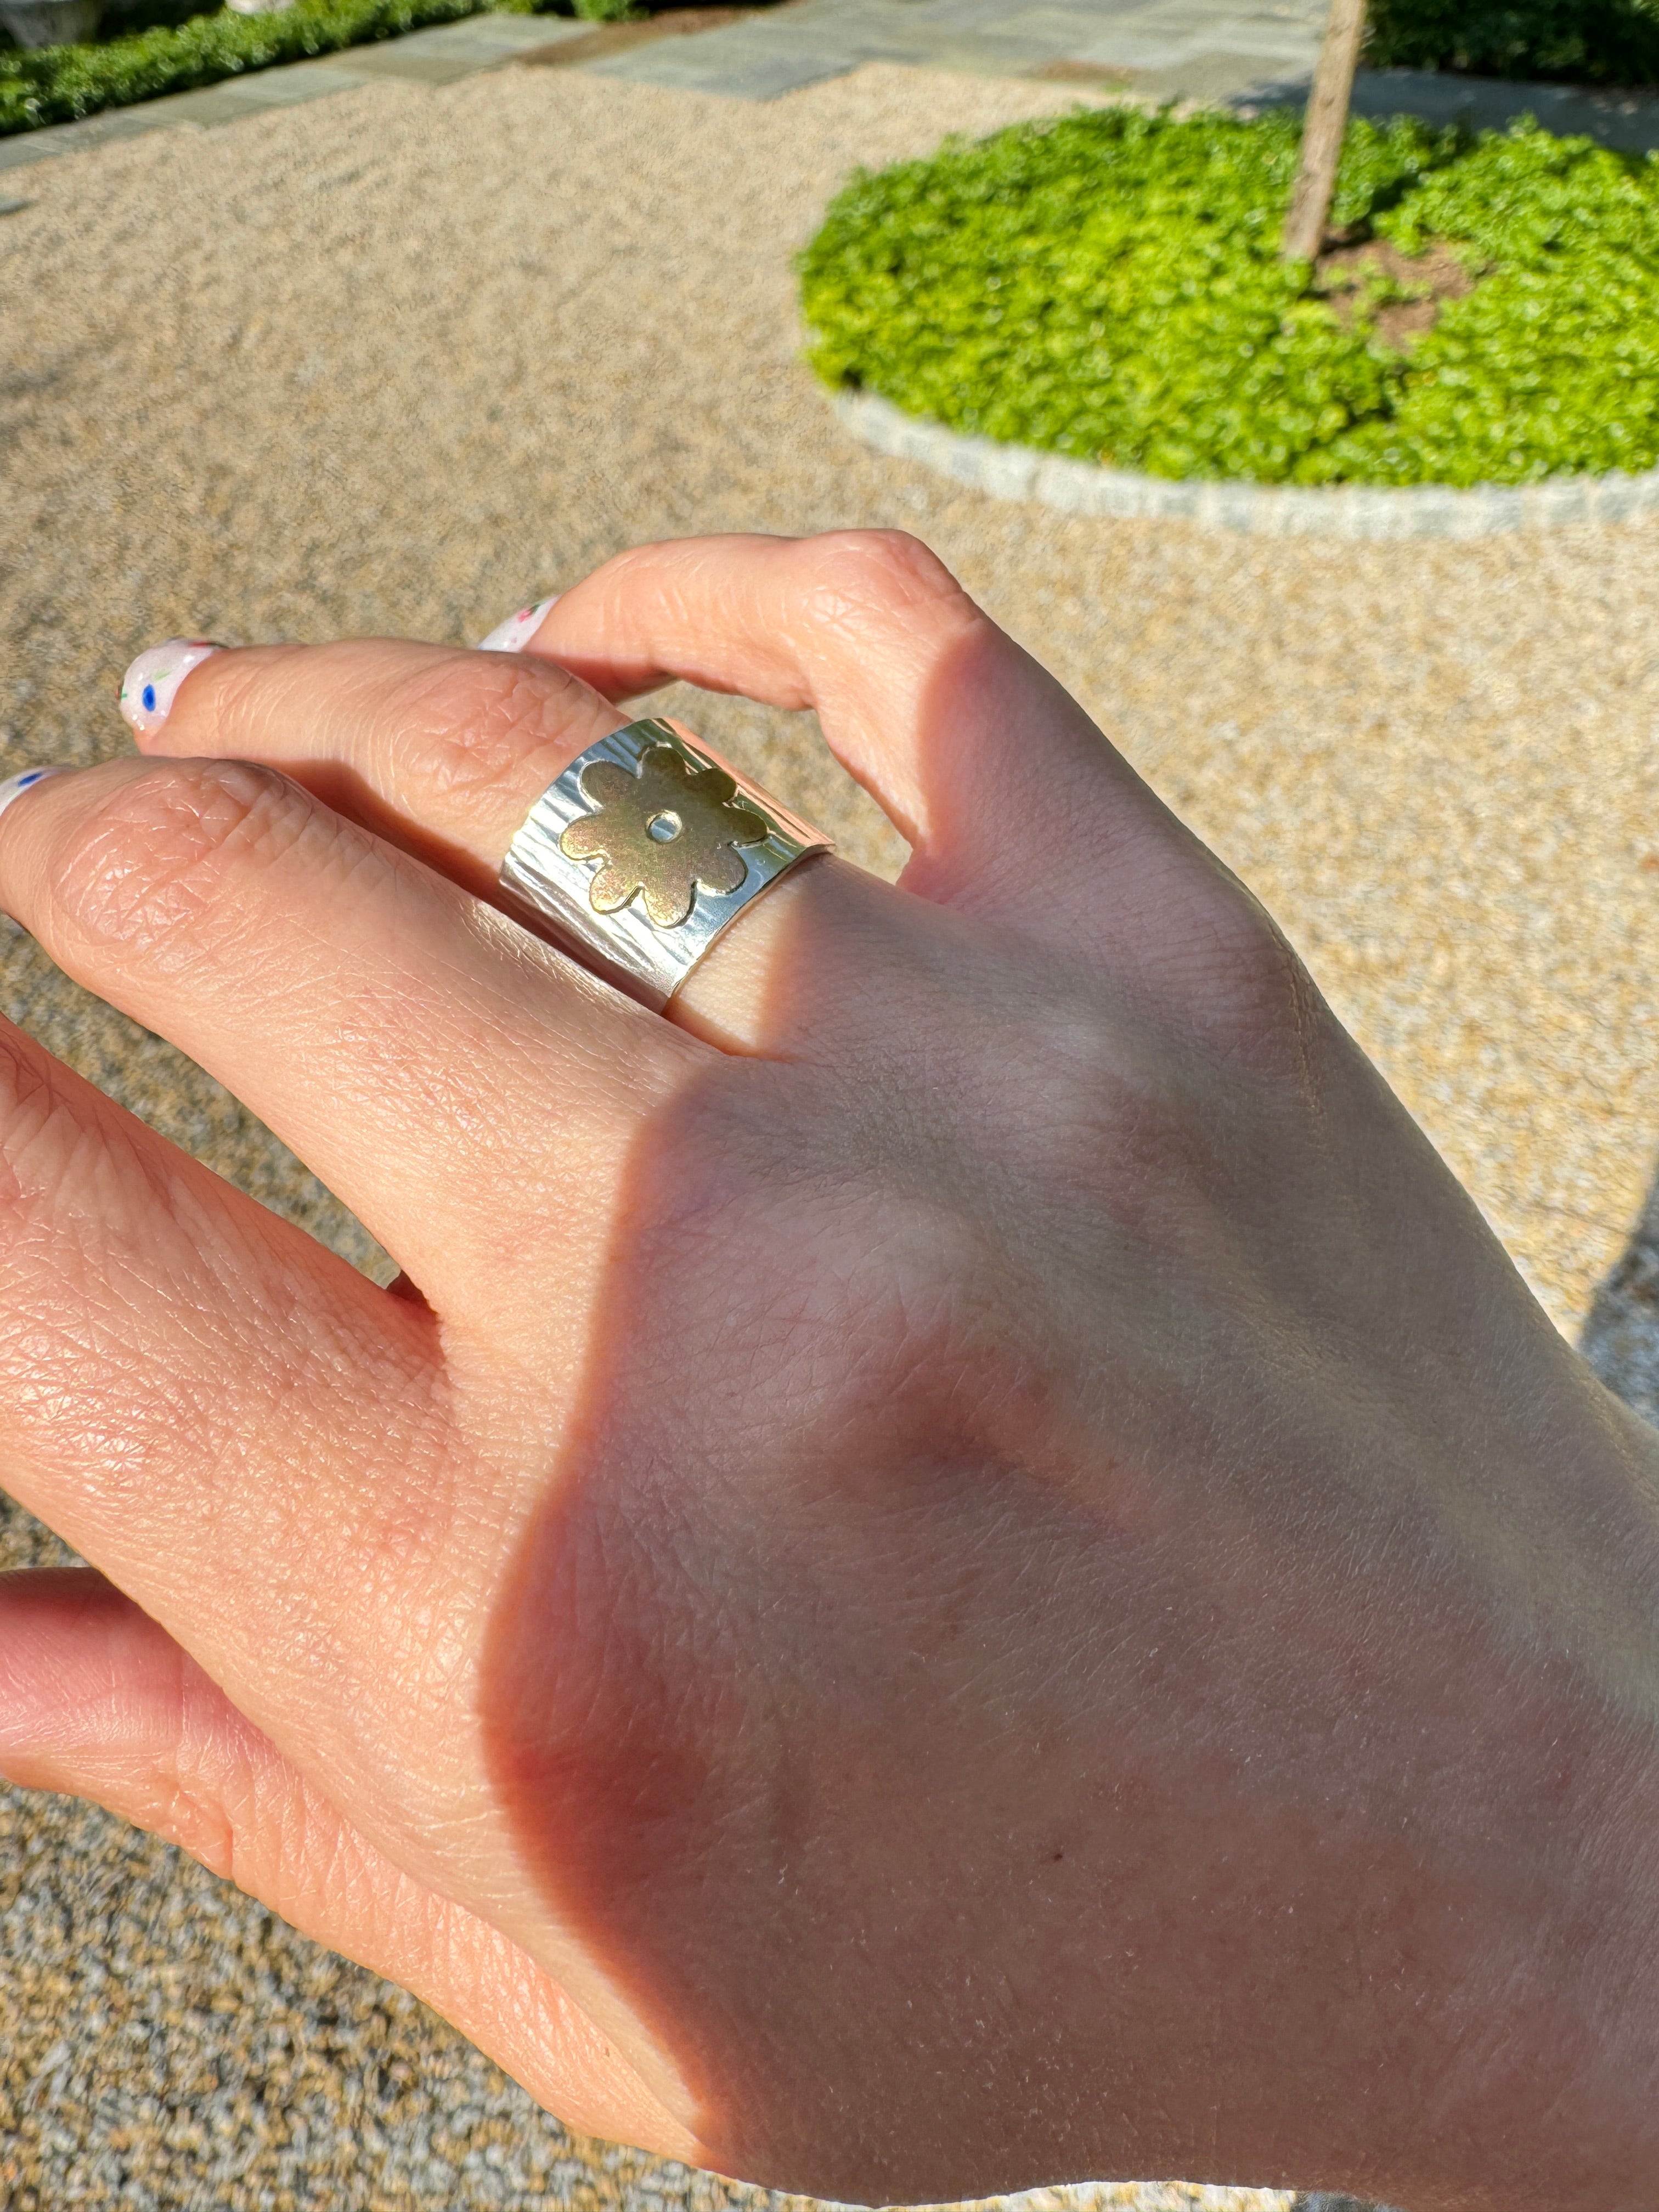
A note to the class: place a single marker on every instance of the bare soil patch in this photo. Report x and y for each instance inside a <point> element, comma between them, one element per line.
<point>1078,72</point>
<point>1346,274</point>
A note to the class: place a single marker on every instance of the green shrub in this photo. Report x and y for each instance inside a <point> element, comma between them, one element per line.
<point>1109,285</point>
<point>55,84</point>
<point>1574,41</point>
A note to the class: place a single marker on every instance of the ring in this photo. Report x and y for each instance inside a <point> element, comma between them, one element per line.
<point>644,851</point>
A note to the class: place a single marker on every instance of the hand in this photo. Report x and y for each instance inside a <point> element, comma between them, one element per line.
<point>962,1567</point>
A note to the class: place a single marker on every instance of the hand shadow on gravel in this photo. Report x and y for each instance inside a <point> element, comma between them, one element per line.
<point>1620,1339</point>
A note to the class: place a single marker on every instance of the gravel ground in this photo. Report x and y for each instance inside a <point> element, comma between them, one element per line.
<point>400,360</point>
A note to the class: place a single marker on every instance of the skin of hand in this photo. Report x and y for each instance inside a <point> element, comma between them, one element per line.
<point>963,1565</point>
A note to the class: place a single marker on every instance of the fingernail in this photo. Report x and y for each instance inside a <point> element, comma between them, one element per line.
<point>16,786</point>
<point>150,685</point>
<point>516,632</point>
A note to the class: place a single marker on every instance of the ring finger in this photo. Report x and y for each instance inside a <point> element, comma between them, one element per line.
<point>444,752</point>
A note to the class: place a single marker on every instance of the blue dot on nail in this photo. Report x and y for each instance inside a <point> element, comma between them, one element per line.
<point>147,697</point>
<point>33,776</point>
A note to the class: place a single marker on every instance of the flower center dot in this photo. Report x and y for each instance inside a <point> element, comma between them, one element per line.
<point>665,827</point>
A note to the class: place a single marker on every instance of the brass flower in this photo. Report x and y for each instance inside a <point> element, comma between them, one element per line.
<point>662,835</point>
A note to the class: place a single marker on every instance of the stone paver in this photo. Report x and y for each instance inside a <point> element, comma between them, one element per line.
<point>1355,511</point>
<point>1180,48</point>
<point>1225,51</point>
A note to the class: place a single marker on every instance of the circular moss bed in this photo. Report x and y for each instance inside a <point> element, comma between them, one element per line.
<point>1108,287</point>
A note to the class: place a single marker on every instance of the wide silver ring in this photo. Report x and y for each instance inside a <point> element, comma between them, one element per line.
<point>644,851</point>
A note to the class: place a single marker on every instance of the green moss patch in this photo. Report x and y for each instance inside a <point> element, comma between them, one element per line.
<point>1109,287</point>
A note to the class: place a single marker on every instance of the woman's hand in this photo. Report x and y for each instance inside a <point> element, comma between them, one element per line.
<point>963,1565</point>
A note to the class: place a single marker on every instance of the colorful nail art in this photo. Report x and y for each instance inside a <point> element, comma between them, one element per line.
<point>149,686</point>
<point>516,632</point>
<point>16,786</point>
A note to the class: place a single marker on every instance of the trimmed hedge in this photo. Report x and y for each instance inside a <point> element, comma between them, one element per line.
<point>56,84</point>
<point>1567,41</point>
<point>1109,285</point>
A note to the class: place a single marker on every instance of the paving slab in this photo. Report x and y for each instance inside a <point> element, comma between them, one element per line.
<point>1221,79</point>
<point>1199,23</point>
<point>117,123</point>
<point>1268,43</point>
<point>986,55</point>
<point>227,102</point>
<point>476,43</point>
<point>278,87</point>
<point>495,34</point>
<point>1627,120</point>
<point>1132,49</point>
<point>741,62</point>
<point>1067,29</point>
<point>1204,49</point>
<point>1233,54</point>
<point>1077,18</point>
<point>388,60</point>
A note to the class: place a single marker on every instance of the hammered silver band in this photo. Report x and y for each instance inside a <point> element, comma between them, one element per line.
<point>643,851</point>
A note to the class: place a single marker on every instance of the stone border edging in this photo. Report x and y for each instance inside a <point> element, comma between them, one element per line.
<point>1273,510</point>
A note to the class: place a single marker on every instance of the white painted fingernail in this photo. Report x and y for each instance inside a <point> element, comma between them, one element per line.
<point>150,685</point>
<point>516,632</point>
<point>16,786</point>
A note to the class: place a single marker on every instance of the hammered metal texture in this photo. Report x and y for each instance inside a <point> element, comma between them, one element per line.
<point>643,851</point>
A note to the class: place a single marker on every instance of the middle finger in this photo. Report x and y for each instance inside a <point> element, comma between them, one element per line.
<point>444,752</point>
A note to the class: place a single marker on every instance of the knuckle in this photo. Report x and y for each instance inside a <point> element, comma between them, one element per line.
<point>191,1818</point>
<point>38,1121</point>
<point>202,1772</point>
<point>883,572</point>
<point>222,1792</point>
<point>1258,1003</point>
<point>485,719</point>
<point>147,865</point>
<point>238,691</point>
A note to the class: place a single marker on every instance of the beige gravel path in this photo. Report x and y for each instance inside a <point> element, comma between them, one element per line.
<point>401,359</point>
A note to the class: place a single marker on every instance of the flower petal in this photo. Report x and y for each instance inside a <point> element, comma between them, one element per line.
<point>612,888</point>
<point>587,838</point>
<point>741,825</point>
<point>667,904</point>
<point>602,783</point>
<point>721,870</point>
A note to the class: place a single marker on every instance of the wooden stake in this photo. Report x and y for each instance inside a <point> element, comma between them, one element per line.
<point>1322,132</point>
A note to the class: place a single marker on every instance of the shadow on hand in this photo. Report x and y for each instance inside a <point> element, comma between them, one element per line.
<point>736,1688</point>
<point>922,1706</point>
<point>727,1694</point>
